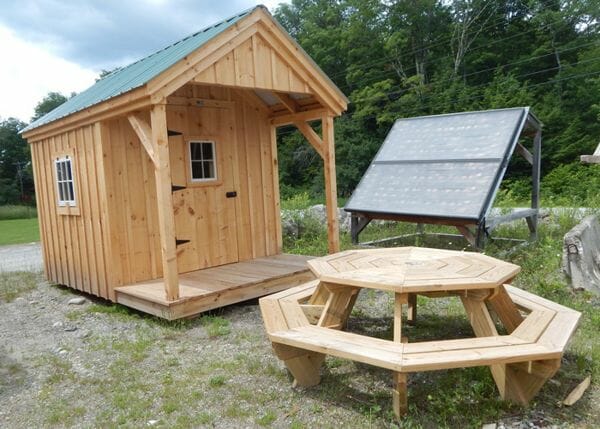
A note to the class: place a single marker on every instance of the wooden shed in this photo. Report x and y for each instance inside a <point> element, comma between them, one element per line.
<point>158,187</point>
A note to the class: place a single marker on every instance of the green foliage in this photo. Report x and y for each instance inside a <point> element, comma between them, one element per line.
<point>17,212</point>
<point>216,326</point>
<point>572,184</point>
<point>16,178</point>
<point>50,102</point>
<point>404,59</point>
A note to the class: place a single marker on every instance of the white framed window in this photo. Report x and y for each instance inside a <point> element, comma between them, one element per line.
<point>64,182</point>
<point>203,160</point>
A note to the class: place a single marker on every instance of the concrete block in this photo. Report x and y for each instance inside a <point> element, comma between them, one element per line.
<point>581,255</point>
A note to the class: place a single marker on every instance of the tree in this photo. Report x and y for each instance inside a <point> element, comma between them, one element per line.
<point>16,181</point>
<point>48,103</point>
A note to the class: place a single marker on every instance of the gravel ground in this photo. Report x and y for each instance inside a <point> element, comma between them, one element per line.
<point>21,257</point>
<point>101,365</point>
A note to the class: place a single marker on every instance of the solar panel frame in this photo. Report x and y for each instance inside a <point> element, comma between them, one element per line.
<point>362,199</point>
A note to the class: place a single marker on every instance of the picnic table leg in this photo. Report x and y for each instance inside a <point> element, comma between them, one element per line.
<point>305,366</point>
<point>400,390</point>
<point>338,306</point>
<point>505,308</point>
<point>411,317</point>
<point>516,382</point>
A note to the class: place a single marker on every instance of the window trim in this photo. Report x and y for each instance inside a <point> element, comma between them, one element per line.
<point>190,176</point>
<point>66,207</point>
<point>60,182</point>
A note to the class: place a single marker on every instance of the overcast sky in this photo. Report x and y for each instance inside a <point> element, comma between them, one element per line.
<point>62,45</point>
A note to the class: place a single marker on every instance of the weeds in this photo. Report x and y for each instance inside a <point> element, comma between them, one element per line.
<point>17,212</point>
<point>15,284</point>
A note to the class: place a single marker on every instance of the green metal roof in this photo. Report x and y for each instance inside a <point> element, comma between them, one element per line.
<point>137,74</point>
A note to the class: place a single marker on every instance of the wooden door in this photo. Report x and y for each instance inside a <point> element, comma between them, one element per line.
<point>202,165</point>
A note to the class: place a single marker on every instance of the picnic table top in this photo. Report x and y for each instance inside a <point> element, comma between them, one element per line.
<point>413,269</point>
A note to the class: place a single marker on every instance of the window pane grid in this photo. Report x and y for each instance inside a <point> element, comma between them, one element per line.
<point>65,183</point>
<point>202,160</point>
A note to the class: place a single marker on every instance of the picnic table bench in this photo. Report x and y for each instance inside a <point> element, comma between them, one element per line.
<point>305,323</point>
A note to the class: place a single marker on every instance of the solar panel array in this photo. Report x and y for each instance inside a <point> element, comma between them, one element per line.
<point>444,166</point>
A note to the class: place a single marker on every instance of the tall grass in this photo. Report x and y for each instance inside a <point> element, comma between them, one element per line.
<point>17,212</point>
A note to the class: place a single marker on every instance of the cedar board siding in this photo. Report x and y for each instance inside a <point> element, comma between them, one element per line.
<point>132,192</point>
<point>74,246</point>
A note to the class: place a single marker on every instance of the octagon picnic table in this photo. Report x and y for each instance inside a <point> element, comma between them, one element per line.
<point>305,323</point>
<point>412,271</point>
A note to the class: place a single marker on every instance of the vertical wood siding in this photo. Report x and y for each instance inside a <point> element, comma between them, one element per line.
<point>73,245</point>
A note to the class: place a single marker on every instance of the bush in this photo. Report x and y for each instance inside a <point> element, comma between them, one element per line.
<point>572,184</point>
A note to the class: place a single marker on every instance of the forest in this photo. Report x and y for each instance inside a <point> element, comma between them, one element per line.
<point>396,59</point>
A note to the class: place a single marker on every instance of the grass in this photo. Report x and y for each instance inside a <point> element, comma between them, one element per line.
<point>17,231</point>
<point>17,212</point>
<point>15,284</point>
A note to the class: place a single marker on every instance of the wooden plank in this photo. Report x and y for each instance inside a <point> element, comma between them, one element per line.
<point>311,136</point>
<point>494,356</point>
<point>528,298</point>
<point>166,220</point>
<point>338,307</point>
<point>301,116</point>
<point>505,308</point>
<point>266,164</point>
<point>244,64</point>
<point>534,325</point>
<point>412,309</point>
<point>107,203</point>
<point>42,210</point>
<point>372,351</point>
<point>400,299</point>
<point>86,248</point>
<point>144,132</point>
<point>287,101</point>
<point>333,233</point>
<point>560,330</point>
<point>97,222</point>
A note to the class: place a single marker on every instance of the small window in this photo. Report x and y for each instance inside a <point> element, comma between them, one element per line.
<point>64,182</point>
<point>203,161</point>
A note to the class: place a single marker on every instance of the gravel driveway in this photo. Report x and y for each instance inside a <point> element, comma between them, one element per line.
<point>21,257</point>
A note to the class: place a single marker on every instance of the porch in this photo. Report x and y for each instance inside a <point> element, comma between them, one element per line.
<point>215,287</point>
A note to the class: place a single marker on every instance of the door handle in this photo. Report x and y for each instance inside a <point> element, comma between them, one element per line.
<point>231,194</point>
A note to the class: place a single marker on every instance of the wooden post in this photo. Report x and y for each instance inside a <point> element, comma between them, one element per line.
<point>399,392</point>
<point>535,182</point>
<point>333,234</point>
<point>166,217</point>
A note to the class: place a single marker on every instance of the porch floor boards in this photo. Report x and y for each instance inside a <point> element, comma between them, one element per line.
<point>215,287</point>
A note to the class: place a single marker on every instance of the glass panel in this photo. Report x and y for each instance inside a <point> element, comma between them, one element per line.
<point>61,192</point>
<point>209,170</point>
<point>207,151</point>
<point>58,171</point>
<point>71,193</point>
<point>197,170</point>
<point>195,151</point>
<point>69,175</point>
<point>63,170</point>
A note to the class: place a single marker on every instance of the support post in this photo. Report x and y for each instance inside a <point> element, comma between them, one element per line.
<point>532,221</point>
<point>357,224</point>
<point>166,217</point>
<point>333,233</point>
